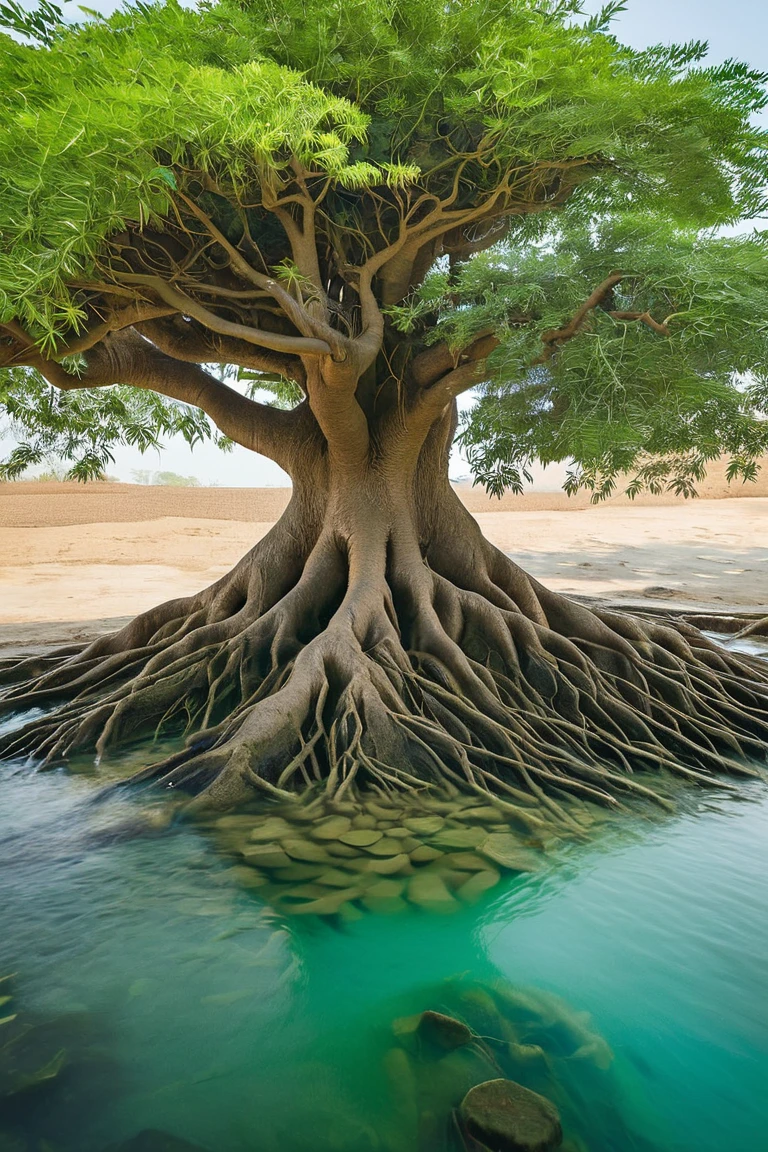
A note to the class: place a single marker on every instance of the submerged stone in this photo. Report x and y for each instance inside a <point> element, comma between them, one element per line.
<point>387,846</point>
<point>479,883</point>
<point>424,853</point>
<point>459,838</point>
<point>364,820</point>
<point>345,851</point>
<point>388,865</point>
<point>505,1117</point>
<point>361,837</point>
<point>327,905</point>
<point>273,828</point>
<point>428,890</point>
<point>331,828</point>
<point>464,862</point>
<point>336,878</point>
<point>442,1031</point>
<point>305,850</point>
<point>424,825</point>
<point>385,889</point>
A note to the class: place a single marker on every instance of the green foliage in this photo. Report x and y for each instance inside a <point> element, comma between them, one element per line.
<point>106,126</point>
<point>619,397</point>
<point>84,426</point>
<point>103,121</point>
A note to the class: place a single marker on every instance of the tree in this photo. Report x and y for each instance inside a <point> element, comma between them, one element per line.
<point>370,208</point>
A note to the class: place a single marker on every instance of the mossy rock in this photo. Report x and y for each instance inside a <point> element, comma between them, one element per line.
<point>424,825</point>
<point>384,905</point>
<point>364,820</point>
<point>361,837</point>
<point>390,865</point>
<point>477,885</point>
<point>387,846</point>
<point>386,889</point>
<point>327,905</point>
<point>337,878</point>
<point>458,838</point>
<point>428,890</point>
<point>383,811</point>
<point>425,853</point>
<point>444,1032</point>
<point>464,862</point>
<point>307,851</point>
<point>331,828</point>
<point>506,1117</point>
<point>269,830</point>
<point>342,851</point>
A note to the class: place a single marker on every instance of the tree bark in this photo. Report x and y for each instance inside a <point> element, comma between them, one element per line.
<point>375,639</point>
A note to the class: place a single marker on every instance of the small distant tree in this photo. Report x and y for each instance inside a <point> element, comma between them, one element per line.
<point>367,209</point>
<point>174,480</point>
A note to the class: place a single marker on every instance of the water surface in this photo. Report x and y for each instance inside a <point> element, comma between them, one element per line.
<point>185,1005</point>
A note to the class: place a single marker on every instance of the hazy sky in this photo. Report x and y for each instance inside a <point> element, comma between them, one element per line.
<point>738,28</point>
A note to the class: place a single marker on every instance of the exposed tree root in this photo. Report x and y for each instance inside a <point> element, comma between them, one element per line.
<point>392,675</point>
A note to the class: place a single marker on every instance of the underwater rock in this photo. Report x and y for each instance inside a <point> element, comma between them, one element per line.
<point>464,862</point>
<point>502,1116</point>
<point>364,820</point>
<point>344,851</point>
<point>459,838</point>
<point>424,853</point>
<point>327,905</point>
<point>336,878</point>
<point>387,865</point>
<point>273,828</point>
<point>424,825</point>
<point>360,837</point>
<point>331,828</point>
<point>477,884</point>
<point>428,890</point>
<point>443,1031</point>
<point>387,846</point>
<point>305,850</point>
<point>153,1140</point>
<point>385,889</point>
<point>526,1053</point>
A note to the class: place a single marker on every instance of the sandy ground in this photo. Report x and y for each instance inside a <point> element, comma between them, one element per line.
<point>75,561</point>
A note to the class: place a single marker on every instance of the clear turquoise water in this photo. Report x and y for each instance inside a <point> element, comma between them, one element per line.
<point>189,1007</point>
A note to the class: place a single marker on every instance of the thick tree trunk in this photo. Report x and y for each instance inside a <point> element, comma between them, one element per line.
<point>375,639</point>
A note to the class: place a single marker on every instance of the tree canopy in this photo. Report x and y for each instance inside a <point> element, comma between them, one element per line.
<point>500,183</point>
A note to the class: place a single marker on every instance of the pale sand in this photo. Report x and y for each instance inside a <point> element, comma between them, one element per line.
<point>75,561</point>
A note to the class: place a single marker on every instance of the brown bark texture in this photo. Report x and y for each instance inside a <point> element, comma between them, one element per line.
<point>374,639</point>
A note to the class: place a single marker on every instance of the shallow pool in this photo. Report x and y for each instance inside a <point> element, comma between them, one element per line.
<point>184,1005</point>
